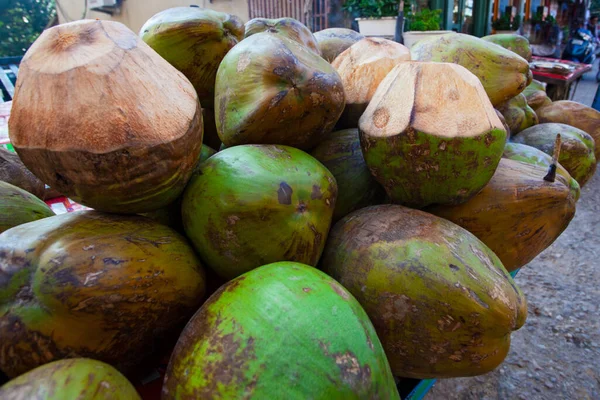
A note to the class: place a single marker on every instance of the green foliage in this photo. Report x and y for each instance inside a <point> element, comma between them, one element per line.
<point>425,20</point>
<point>21,22</point>
<point>372,8</point>
<point>505,24</point>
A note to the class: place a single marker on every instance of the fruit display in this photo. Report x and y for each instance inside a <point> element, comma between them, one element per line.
<point>574,114</point>
<point>430,135</point>
<point>230,207</point>
<point>518,214</point>
<point>342,156</point>
<point>333,41</point>
<point>518,115</point>
<point>297,103</point>
<point>577,150</point>
<point>219,235</point>
<point>503,73</point>
<point>76,378</point>
<point>284,27</point>
<point>135,149</point>
<point>194,40</point>
<point>362,67</point>
<point>515,43</point>
<point>18,207</point>
<point>414,257</point>
<point>93,285</point>
<point>284,330</point>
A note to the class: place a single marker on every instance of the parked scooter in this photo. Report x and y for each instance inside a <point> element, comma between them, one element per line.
<point>580,47</point>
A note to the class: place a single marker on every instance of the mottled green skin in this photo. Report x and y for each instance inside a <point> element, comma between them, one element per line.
<point>272,90</point>
<point>253,205</point>
<point>94,285</point>
<point>282,331</point>
<point>19,207</point>
<point>517,114</point>
<point>504,74</point>
<point>515,43</point>
<point>171,214</point>
<point>76,378</point>
<point>333,41</point>
<point>418,169</point>
<point>286,27</point>
<point>441,301</point>
<point>577,149</point>
<point>531,155</point>
<point>342,155</point>
<point>194,40</point>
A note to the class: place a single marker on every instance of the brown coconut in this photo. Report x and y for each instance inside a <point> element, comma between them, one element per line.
<point>362,67</point>
<point>518,214</point>
<point>101,117</point>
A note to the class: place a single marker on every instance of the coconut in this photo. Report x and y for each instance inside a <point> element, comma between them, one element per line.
<point>286,27</point>
<point>574,114</point>
<point>77,378</point>
<point>577,149</point>
<point>503,73</point>
<point>273,90</point>
<point>102,118</point>
<point>285,331</point>
<point>517,114</point>
<point>518,214</point>
<point>441,301</point>
<point>362,67</point>
<point>194,40</point>
<point>430,134</point>
<point>333,41</point>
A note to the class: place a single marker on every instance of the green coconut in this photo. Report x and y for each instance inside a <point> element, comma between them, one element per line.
<point>18,207</point>
<point>533,87</point>
<point>289,28</point>
<point>430,134</point>
<point>94,285</point>
<point>441,301</point>
<point>531,155</point>
<point>538,99</point>
<point>272,90</point>
<point>284,330</point>
<point>575,114</point>
<point>577,149</point>
<point>333,41</point>
<point>194,40</point>
<point>504,74</point>
<point>515,43</point>
<point>342,155</point>
<point>517,114</point>
<point>76,378</point>
<point>252,205</point>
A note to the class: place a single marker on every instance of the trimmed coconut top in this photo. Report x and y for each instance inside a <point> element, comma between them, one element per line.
<point>441,99</point>
<point>95,86</point>
<point>365,64</point>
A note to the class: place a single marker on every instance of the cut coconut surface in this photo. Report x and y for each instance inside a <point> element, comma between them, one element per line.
<point>430,134</point>
<point>101,117</point>
<point>441,99</point>
<point>362,67</point>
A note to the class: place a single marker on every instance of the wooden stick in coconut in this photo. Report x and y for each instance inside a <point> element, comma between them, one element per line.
<point>551,176</point>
